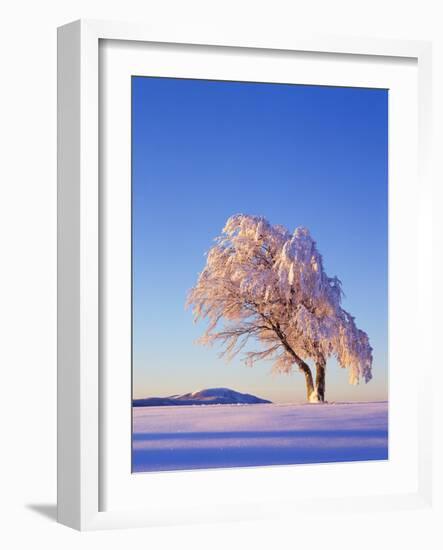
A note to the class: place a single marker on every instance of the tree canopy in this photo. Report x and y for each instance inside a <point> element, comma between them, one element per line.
<point>265,284</point>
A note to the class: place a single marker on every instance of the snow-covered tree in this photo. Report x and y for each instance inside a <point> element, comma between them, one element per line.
<point>263,283</point>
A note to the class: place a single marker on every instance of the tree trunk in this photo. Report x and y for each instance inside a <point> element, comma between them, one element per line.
<point>320,380</point>
<point>309,381</point>
<point>311,393</point>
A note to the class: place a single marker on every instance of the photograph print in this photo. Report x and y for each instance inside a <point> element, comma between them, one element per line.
<point>259,274</point>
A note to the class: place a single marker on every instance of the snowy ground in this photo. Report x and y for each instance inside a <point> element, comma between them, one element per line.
<point>220,436</point>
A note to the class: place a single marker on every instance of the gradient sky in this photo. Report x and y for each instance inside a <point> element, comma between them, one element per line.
<point>298,155</point>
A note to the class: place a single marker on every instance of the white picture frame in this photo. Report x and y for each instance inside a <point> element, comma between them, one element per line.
<point>82,439</point>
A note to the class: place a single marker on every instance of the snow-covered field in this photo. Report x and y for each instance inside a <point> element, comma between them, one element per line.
<point>221,436</point>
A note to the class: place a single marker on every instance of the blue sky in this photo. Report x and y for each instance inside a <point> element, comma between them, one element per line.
<point>298,155</point>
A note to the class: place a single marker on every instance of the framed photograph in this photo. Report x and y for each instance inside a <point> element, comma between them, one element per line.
<point>242,223</point>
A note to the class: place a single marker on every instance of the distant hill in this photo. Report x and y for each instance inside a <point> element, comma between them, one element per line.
<point>211,396</point>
